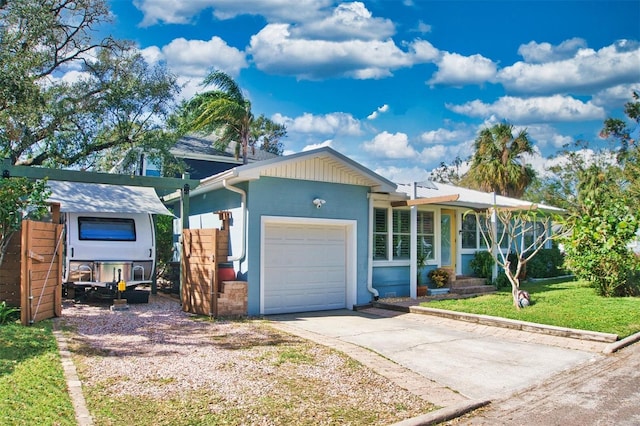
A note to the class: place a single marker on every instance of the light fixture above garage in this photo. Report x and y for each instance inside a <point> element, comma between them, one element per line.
<point>318,202</point>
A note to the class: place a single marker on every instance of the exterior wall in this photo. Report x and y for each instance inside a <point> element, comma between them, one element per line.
<point>269,196</point>
<point>293,198</point>
<point>202,215</point>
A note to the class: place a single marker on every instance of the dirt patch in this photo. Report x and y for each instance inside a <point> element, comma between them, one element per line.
<point>235,372</point>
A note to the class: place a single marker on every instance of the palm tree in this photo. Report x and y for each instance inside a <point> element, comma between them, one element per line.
<point>224,109</point>
<point>497,165</point>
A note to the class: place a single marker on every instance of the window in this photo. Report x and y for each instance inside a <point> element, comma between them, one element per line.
<point>469,232</point>
<point>401,234</point>
<point>532,232</point>
<point>380,234</point>
<point>393,241</point>
<point>106,229</point>
<point>426,234</point>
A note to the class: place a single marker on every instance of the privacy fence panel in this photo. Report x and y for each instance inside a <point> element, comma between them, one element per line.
<point>40,271</point>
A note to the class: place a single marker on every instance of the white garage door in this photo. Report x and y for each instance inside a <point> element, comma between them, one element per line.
<point>304,267</point>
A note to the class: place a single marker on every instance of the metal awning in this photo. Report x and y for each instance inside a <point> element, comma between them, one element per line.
<point>77,197</point>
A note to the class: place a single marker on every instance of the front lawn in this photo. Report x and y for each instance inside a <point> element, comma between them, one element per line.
<point>571,304</point>
<point>33,390</point>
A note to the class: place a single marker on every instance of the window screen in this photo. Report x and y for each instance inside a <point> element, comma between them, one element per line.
<point>401,234</point>
<point>425,234</point>
<point>106,229</point>
<point>469,232</point>
<point>380,234</point>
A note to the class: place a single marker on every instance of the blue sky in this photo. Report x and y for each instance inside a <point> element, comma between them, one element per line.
<point>401,86</point>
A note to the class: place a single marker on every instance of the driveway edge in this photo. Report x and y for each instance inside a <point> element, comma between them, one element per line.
<point>444,414</point>
<point>505,323</point>
<point>74,386</point>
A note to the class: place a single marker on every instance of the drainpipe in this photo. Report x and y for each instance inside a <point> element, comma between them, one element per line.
<point>243,206</point>
<point>413,249</point>
<point>376,294</point>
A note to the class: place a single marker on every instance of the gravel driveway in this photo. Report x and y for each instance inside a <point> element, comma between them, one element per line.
<point>158,352</point>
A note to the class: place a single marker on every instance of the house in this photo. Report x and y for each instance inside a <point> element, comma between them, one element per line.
<point>318,231</point>
<point>203,159</point>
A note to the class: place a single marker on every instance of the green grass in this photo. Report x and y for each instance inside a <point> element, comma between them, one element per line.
<point>33,390</point>
<point>572,304</point>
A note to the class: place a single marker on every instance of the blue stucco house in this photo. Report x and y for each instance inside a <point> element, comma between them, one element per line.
<point>318,231</point>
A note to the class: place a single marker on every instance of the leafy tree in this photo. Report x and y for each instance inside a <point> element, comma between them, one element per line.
<point>19,198</point>
<point>267,134</point>
<point>527,232</point>
<point>497,165</point>
<point>227,112</point>
<point>446,173</point>
<point>605,217</point>
<point>597,248</point>
<point>114,104</point>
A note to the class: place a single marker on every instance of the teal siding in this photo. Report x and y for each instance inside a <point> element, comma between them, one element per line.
<point>293,198</point>
<point>466,264</point>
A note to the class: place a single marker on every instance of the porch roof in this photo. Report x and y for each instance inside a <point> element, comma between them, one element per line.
<point>469,198</point>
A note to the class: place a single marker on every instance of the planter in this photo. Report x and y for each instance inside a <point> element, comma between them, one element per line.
<point>422,290</point>
<point>438,291</point>
<point>226,273</point>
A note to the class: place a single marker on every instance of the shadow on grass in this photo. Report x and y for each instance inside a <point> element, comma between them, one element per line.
<point>19,343</point>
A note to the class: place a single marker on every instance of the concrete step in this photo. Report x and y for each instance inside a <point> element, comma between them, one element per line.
<point>464,281</point>
<point>480,289</point>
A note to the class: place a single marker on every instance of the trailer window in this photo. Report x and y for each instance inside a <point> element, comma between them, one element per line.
<point>106,229</point>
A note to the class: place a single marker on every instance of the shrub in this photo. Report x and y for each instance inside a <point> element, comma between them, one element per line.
<point>439,277</point>
<point>482,264</point>
<point>8,313</point>
<point>546,263</point>
<point>502,282</point>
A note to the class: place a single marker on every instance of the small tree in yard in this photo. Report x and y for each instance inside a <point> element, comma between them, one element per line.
<point>526,231</point>
<point>19,198</point>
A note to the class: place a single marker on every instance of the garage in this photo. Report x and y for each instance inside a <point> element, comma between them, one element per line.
<point>305,266</point>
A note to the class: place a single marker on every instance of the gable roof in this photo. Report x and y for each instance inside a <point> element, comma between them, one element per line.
<point>319,165</point>
<point>202,148</point>
<point>468,197</point>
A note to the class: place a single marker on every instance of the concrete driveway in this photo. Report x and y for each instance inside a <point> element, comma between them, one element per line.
<point>480,362</point>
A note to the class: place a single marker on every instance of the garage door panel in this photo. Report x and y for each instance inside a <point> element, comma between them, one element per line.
<point>305,268</point>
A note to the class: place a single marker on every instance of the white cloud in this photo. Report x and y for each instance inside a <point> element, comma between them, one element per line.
<point>403,174</point>
<point>586,71</point>
<point>547,136</point>
<point>423,28</point>
<point>337,123</point>
<point>423,51</point>
<point>194,58</point>
<point>184,12</point>
<point>276,51</point>
<point>347,21</point>
<point>457,70</point>
<point>392,146</point>
<point>533,52</point>
<point>328,142</point>
<point>384,108</point>
<point>532,110</point>
<point>615,96</point>
<point>433,137</point>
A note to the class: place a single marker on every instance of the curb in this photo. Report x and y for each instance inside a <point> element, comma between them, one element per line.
<point>74,386</point>
<point>505,323</point>
<point>444,414</point>
<point>613,347</point>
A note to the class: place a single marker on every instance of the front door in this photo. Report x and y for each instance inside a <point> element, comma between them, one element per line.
<point>448,239</point>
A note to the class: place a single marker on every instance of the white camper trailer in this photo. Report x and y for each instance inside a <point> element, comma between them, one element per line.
<point>109,236</point>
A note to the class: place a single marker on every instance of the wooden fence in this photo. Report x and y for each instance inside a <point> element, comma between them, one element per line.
<point>203,292</point>
<point>31,273</point>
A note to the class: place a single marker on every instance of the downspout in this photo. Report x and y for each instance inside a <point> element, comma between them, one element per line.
<point>413,249</point>
<point>243,206</point>
<point>376,294</point>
